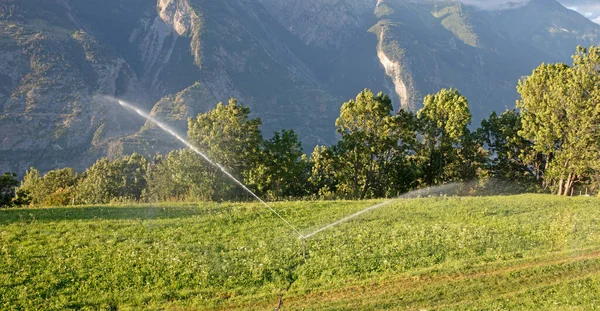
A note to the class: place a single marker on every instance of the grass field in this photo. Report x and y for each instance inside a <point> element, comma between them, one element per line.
<point>490,253</point>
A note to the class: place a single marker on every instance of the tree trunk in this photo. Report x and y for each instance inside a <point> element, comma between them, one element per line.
<point>545,182</point>
<point>368,179</point>
<point>355,179</point>
<point>431,172</point>
<point>569,185</point>
<point>560,186</point>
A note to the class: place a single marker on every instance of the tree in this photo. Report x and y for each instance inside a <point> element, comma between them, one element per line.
<point>323,166</point>
<point>132,179</point>
<point>122,179</point>
<point>229,137</point>
<point>403,170</point>
<point>512,157</point>
<point>180,175</point>
<point>282,171</point>
<point>560,109</point>
<point>472,157</point>
<point>8,186</point>
<point>443,122</point>
<point>98,184</point>
<point>32,186</point>
<point>372,145</point>
<point>55,188</point>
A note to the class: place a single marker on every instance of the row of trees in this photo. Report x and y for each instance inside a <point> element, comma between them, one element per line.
<point>379,154</point>
<point>553,144</point>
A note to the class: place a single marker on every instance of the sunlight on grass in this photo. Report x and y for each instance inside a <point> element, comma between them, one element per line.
<point>507,252</point>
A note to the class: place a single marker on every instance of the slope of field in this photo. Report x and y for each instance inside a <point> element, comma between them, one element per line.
<point>489,253</point>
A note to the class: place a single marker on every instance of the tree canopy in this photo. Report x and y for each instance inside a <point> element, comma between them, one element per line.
<point>560,109</point>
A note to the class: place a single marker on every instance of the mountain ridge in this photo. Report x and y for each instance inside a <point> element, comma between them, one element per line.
<point>294,62</point>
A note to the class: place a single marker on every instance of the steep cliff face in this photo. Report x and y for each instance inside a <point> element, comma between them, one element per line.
<point>51,72</point>
<point>186,21</point>
<point>161,41</point>
<point>323,23</point>
<point>245,53</point>
<point>63,56</point>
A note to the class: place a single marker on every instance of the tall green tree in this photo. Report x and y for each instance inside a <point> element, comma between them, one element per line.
<point>472,157</point>
<point>231,138</point>
<point>540,111</point>
<point>323,165</point>
<point>512,157</point>
<point>55,188</point>
<point>282,171</point>
<point>123,179</point>
<point>443,121</point>
<point>32,186</point>
<point>179,176</point>
<point>560,107</point>
<point>372,146</point>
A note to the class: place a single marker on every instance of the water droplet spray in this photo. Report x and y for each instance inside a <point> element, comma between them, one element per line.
<point>173,133</point>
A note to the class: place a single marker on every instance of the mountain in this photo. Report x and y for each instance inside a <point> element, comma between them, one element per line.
<point>427,45</point>
<point>294,62</point>
<point>50,71</point>
<point>60,58</point>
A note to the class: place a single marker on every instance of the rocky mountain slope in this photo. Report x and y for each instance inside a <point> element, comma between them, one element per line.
<point>426,45</point>
<point>293,61</point>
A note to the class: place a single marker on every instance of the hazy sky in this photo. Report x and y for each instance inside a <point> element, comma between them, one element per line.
<point>495,4</point>
<point>589,8</point>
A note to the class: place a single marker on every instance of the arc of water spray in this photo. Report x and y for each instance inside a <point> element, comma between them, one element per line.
<point>417,193</point>
<point>350,217</point>
<point>167,129</point>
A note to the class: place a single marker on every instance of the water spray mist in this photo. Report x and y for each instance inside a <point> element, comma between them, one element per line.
<point>417,193</point>
<point>422,192</point>
<point>196,150</point>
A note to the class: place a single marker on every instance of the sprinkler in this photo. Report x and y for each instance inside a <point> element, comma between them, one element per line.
<point>301,236</point>
<point>304,248</point>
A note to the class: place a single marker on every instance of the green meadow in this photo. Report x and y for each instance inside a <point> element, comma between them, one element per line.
<point>526,252</point>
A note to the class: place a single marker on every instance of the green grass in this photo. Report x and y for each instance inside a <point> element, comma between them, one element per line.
<point>491,253</point>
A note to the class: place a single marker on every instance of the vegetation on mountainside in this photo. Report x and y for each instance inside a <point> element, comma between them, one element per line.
<point>457,20</point>
<point>383,10</point>
<point>521,252</point>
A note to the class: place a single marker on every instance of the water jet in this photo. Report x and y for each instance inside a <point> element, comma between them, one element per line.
<point>417,193</point>
<point>173,133</point>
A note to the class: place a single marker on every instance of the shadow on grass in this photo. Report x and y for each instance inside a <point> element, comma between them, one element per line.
<point>10,216</point>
